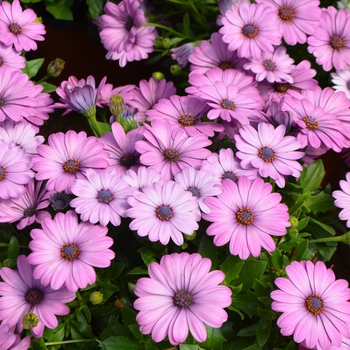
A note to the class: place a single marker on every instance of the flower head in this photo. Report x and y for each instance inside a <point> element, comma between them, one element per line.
<point>341,81</point>
<point>342,199</point>
<point>178,297</point>
<point>10,340</point>
<point>9,57</point>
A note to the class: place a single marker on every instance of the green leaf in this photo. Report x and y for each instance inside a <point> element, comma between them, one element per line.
<point>316,232</point>
<point>253,347</point>
<point>147,255</point>
<point>260,289</point>
<point>263,331</point>
<point>251,270</point>
<point>277,259</point>
<point>13,249</point>
<point>37,344</point>
<point>231,268</point>
<point>95,7</point>
<point>129,316</point>
<point>300,251</point>
<point>319,203</point>
<point>311,177</point>
<point>120,342</point>
<point>214,339</point>
<point>104,127</point>
<point>186,25</point>
<point>247,302</point>
<point>59,9</point>
<point>208,250</point>
<point>302,223</point>
<point>138,271</point>
<point>32,67</point>
<point>48,87</point>
<point>188,347</point>
<point>248,331</point>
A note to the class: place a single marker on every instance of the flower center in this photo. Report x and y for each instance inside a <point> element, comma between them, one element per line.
<point>1,61</point>
<point>195,191</point>
<point>314,304</point>
<point>348,84</point>
<point>282,88</point>
<point>311,123</point>
<point>336,42</point>
<point>286,13</point>
<point>250,31</point>
<point>34,296</point>
<point>127,160</point>
<point>164,212</point>
<point>229,175</point>
<point>59,200</point>
<point>71,166</point>
<point>2,173</point>
<point>15,28</point>
<point>171,155</point>
<point>129,24</point>
<point>186,119</point>
<point>70,251</point>
<point>225,65</point>
<point>30,211</point>
<point>2,101</point>
<point>104,196</point>
<point>182,299</point>
<point>228,104</point>
<point>267,154</point>
<point>245,216</point>
<point>269,65</point>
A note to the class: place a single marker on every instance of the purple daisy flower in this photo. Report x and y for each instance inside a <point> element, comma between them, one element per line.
<point>246,214</point>
<point>9,57</point>
<point>15,170</point>
<point>143,177</point>
<point>330,43</point>
<point>65,251</point>
<point>20,293</point>
<point>225,5</point>
<point>27,208</point>
<point>168,151</point>
<point>184,112</point>
<point>67,157</point>
<point>268,150</point>
<point>121,147</point>
<point>274,67</point>
<point>341,81</point>
<point>181,53</point>
<point>315,306</point>
<point>250,29</point>
<point>178,297</point>
<point>200,183</point>
<point>20,28</point>
<point>162,211</point>
<point>12,341</point>
<point>297,18</point>
<point>101,197</point>
<point>342,199</point>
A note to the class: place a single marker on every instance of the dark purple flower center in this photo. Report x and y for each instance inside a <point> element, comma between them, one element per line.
<point>229,175</point>
<point>336,42</point>
<point>15,28</point>
<point>164,212</point>
<point>245,216</point>
<point>228,104</point>
<point>70,251</point>
<point>195,191</point>
<point>30,211</point>
<point>250,30</point>
<point>282,88</point>
<point>2,173</point>
<point>105,196</point>
<point>59,200</point>
<point>269,65</point>
<point>224,65</point>
<point>127,160</point>
<point>267,154</point>
<point>129,24</point>
<point>171,155</point>
<point>1,61</point>
<point>2,101</point>
<point>186,119</point>
<point>348,84</point>
<point>34,296</point>
<point>286,13</point>
<point>71,166</point>
<point>311,123</point>
<point>314,304</point>
<point>182,299</point>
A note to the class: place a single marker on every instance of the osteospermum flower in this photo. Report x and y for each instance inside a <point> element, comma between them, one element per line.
<point>178,297</point>
<point>19,27</point>
<point>163,211</point>
<point>9,57</point>
<point>10,340</point>
<point>168,151</point>
<point>64,251</point>
<point>67,157</point>
<point>181,53</point>
<point>330,43</point>
<point>314,305</point>
<point>250,29</point>
<point>140,178</point>
<point>297,18</point>
<point>21,293</point>
<point>101,197</point>
<point>245,215</point>
<point>268,150</point>
<point>341,81</point>
<point>342,199</point>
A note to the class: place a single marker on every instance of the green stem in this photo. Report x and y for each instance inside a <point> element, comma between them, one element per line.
<point>181,35</point>
<point>43,79</point>
<point>94,127</point>
<point>345,238</point>
<point>68,341</point>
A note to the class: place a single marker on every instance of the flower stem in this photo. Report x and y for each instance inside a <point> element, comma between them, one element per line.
<point>68,341</point>
<point>181,35</point>
<point>345,238</point>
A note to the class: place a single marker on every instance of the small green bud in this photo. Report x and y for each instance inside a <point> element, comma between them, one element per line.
<point>294,222</point>
<point>158,76</point>
<point>38,20</point>
<point>345,238</point>
<point>55,67</point>
<point>30,320</point>
<point>116,105</point>
<point>166,43</point>
<point>292,232</point>
<point>190,237</point>
<point>175,70</point>
<point>96,298</point>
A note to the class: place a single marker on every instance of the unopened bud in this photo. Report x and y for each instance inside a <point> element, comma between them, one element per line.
<point>158,76</point>
<point>116,105</point>
<point>191,237</point>
<point>166,43</point>
<point>30,320</point>
<point>294,222</point>
<point>118,304</point>
<point>175,69</point>
<point>55,67</point>
<point>38,20</point>
<point>96,298</point>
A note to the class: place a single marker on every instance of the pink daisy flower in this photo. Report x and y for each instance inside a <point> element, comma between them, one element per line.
<point>15,170</point>
<point>9,57</point>
<point>65,251</point>
<point>225,5</point>
<point>330,43</point>
<point>162,211</point>
<point>274,67</point>
<point>268,150</point>
<point>178,297</point>
<point>250,29</point>
<point>297,18</point>
<point>20,293</point>
<point>245,215</point>
<point>341,81</point>
<point>140,178</point>
<point>184,112</point>
<point>101,197</point>
<point>342,199</point>
<point>12,341</point>
<point>168,151</point>
<point>67,157</point>
<point>19,27</point>
<point>315,306</point>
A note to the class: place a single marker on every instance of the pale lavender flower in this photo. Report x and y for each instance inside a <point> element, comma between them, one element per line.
<point>143,176</point>
<point>342,199</point>
<point>178,298</point>
<point>9,57</point>
<point>276,116</point>
<point>341,81</point>
<point>225,5</point>
<point>12,341</point>
<point>182,53</point>
<point>64,251</point>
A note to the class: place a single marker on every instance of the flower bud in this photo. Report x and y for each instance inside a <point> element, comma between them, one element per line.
<point>55,67</point>
<point>175,69</point>
<point>116,105</point>
<point>118,304</point>
<point>158,76</point>
<point>96,298</point>
<point>30,320</point>
<point>294,222</point>
<point>166,43</point>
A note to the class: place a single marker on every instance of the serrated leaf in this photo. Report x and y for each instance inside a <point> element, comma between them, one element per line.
<point>32,67</point>
<point>319,203</point>
<point>120,342</point>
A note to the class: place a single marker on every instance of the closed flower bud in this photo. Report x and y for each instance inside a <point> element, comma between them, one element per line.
<point>30,320</point>
<point>116,105</point>
<point>96,298</point>
<point>175,69</point>
<point>55,67</point>
<point>158,75</point>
